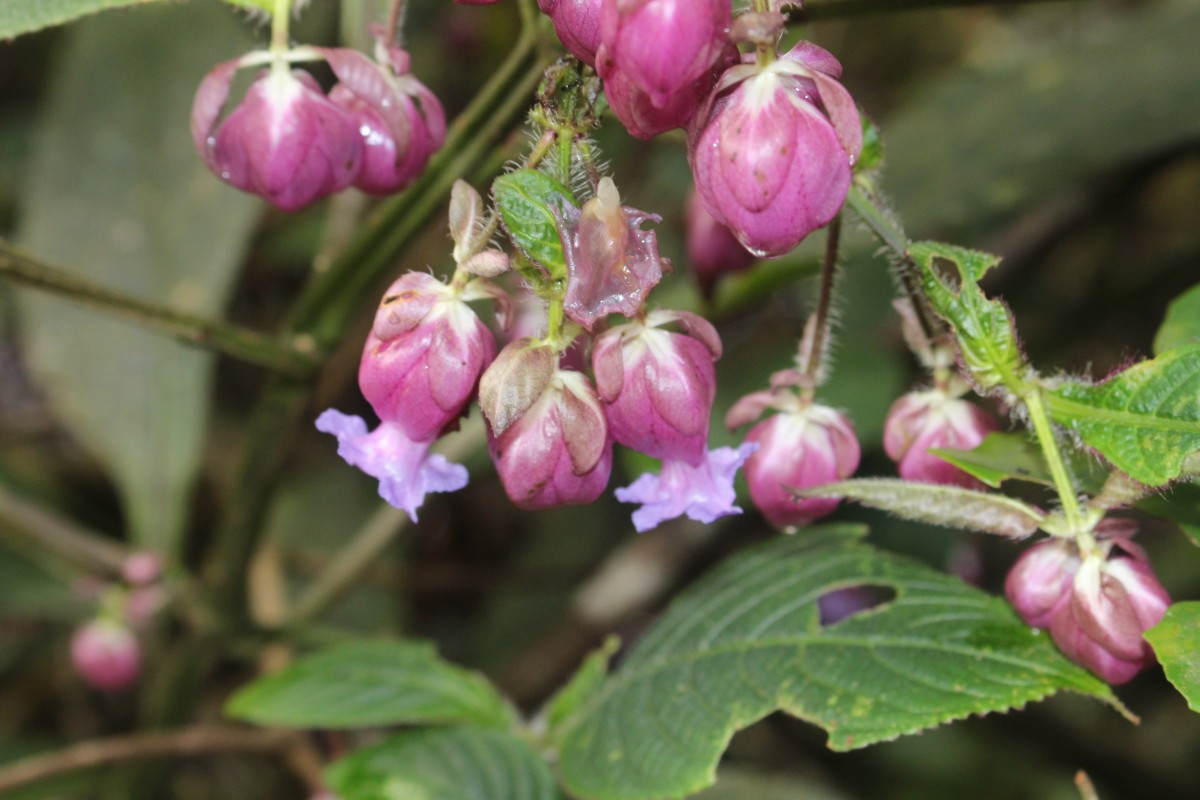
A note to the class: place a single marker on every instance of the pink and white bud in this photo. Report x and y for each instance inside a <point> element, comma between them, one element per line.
<point>285,142</point>
<point>400,121</point>
<point>712,249</point>
<point>662,46</point>
<point>772,152</point>
<point>612,264</point>
<point>559,451</point>
<point>106,654</point>
<point>922,421</point>
<point>1040,580</point>
<point>423,358</point>
<point>406,470</point>
<point>704,492</point>
<point>577,24</point>
<point>1100,625</point>
<point>798,448</point>
<point>142,568</point>
<point>658,386</point>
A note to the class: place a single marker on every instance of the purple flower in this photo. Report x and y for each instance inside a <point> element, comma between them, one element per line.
<point>612,264</point>
<point>772,152</point>
<point>106,654</point>
<point>921,421</point>
<point>703,492</point>
<point>658,386</point>
<point>400,121</point>
<point>405,468</point>
<point>577,23</point>
<point>285,142</point>
<point>558,452</point>
<point>421,363</point>
<point>804,446</point>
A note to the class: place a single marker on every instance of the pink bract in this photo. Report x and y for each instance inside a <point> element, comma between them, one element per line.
<point>106,654</point>
<point>921,421</point>
<point>577,24</point>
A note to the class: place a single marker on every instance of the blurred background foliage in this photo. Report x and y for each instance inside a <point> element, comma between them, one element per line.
<point>1064,136</point>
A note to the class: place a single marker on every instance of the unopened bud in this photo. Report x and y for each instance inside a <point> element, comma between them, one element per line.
<point>106,654</point>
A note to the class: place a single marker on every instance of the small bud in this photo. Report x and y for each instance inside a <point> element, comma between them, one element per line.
<point>142,568</point>
<point>921,421</point>
<point>612,264</point>
<point>422,361</point>
<point>704,491</point>
<point>657,387</point>
<point>405,468</point>
<point>712,248</point>
<point>772,152</point>
<point>798,448</point>
<point>577,24</point>
<point>106,654</point>
<point>1040,579</point>
<point>285,142</point>
<point>559,452</point>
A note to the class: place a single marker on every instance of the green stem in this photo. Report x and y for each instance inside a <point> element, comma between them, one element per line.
<point>837,9</point>
<point>280,20</point>
<point>47,532</point>
<point>231,340</point>
<point>1058,469</point>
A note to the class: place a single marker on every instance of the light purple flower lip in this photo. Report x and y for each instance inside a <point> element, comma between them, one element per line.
<point>703,492</point>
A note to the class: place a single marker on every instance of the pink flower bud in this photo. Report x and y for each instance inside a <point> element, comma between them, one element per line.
<point>799,448</point>
<point>559,451</point>
<point>612,264</point>
<point>661,46</point>
<point>142,568</point>
<point>421,363</point>
<point>405,468</point>
<point>921,421</point>
<point>1040,579</point>
<point>400,121</point>
<point>1099,625</point>
<point>285,142</point>
<point>704,491</point>
<point>577,23</point>
<point>106,655</point>
<point>658,386</point>
<point>712,248</point>
<point>771,154</point>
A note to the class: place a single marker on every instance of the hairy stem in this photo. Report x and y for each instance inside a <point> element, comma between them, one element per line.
<point>231,340</point>
<point>280,20</point>
<point>814,357</point>
<point>1054,460</point>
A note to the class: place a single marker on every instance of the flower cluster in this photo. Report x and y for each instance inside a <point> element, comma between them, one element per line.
<point>291,144</point>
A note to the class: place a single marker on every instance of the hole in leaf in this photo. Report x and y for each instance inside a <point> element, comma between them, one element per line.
<point>948,274</point>
<point>845,602</point>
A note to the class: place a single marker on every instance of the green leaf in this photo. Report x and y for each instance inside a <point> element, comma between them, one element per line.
<point>1181,505</point>
<point>1176,642</point>
<point>528,201</point>
<point>1145,420</point>
<point>1015,456</point>
<point>1182,324</point>
<point>368,683</point>
<point>116,191</point>
<point>951,506</point>
<point>984,328</point>
<point>447,764</point>
<point>747,640</point>
<point>19,17</point>
<point>584,684</point>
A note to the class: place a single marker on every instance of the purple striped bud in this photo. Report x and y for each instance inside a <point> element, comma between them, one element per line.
<point>921,421</point>
<point>285,142</point>
<point>771,153</point>
<point>106,654</point>
<point>401,122</point>
<point>662,46</point>
<point>577,23</point>
<point>1040,579</point>
<point>559,451</point>
<point>798,448</point>
<point>421,363</point>
<point>658,386</point>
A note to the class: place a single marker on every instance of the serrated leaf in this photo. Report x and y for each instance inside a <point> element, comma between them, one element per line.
<point>528,201</point>
<point>951,506</point>
<point>1145,420</point>
<point>368,683</point>
<point>116,191</point>
<point>583,685</point>
<point>747,640</point>
<point>450,764</point>
<point>1176,642</point>
<point>984,328</point>
<point>1182,324</point>
<point>1015,456</point>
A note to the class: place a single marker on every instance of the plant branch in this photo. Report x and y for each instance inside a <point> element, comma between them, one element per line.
<point>181,743</point>
<point>67,540</point>
<point>814,358</point>
<point>838,9</point>
<point>1054,460</point>
<point>231,340</point>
